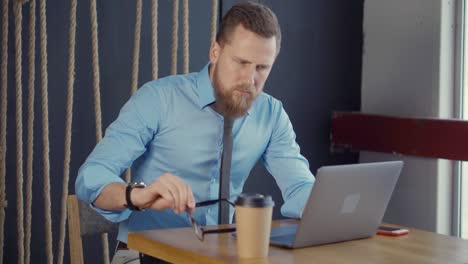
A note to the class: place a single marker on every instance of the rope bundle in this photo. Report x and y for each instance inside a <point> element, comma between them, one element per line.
<point>214,15</point>
<point>24,230</point>
<point>45,130</point>
<point>154,39</point>
<point>185,16</point>
<point>30,137</point>
<point>17,8</point>
<point>175,36</point>
<point>3,122</point>
<point>97,100</point>
<point>68,128</point>
<point>136,49</point>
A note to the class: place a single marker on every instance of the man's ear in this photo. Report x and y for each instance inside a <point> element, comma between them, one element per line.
<point>215,50</point>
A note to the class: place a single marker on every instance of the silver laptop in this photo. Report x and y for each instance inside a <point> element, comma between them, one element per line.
<point>347,202</point>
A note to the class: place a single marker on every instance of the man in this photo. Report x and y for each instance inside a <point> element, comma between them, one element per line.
<point>170,132</point>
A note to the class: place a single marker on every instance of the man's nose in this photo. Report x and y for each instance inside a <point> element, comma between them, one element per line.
<point>249,76</point>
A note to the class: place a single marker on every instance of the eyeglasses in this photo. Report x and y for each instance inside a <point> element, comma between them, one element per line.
<point>199,230</point>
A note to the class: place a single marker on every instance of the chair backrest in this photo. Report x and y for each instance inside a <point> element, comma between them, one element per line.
<point>82,221</point>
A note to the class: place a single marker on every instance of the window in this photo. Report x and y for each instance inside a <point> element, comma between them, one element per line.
<point>461,182</point>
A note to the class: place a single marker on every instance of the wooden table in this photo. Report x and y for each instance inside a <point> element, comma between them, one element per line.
<point>180,245</point>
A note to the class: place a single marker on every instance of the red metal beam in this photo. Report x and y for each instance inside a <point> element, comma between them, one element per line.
<point>434,138</point>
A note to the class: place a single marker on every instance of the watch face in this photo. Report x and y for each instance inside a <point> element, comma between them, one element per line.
<point>138,185</point>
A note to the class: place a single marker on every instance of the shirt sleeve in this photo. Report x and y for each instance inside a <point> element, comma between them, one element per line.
<point>282,158</point>
<point>124,141</point>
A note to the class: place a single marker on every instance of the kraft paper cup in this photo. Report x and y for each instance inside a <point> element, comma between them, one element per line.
<point>253,224</point>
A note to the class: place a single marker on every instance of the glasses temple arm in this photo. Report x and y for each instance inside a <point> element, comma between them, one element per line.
<point>223,230</point>
<point>206,203</point>
<point>210,202</point>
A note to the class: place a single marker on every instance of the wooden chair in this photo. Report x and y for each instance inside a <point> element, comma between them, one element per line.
<point>82,221</point>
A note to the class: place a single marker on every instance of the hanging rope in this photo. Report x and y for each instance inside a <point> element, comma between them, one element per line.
<point>175,38</point>
<point>68,128</point>
<point>45,130</point>
<point>97,101</point>
<point>136,62</point>
<point>154,39</point>
<point>3,123</point>
<point>17,8</point>
<point>136,47</point>
<point>96,77</point>
<point>30,139</point>
<point>214,17</point>
<point>185,11</point>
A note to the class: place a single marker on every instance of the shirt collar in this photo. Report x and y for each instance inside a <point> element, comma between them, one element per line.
<point>205,88</point>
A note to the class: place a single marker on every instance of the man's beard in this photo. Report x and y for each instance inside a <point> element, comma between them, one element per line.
<point>230,102</point>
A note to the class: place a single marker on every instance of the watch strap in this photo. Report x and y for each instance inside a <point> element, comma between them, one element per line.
<point>128,192</point>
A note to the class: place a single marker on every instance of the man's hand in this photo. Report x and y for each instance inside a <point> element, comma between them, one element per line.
<point>168,191</point>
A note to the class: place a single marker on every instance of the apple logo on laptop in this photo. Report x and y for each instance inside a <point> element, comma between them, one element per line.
<point>350,203</point>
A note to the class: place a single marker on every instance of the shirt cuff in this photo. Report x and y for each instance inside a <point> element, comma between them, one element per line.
<point>111,215</point>
<point>294,205</point>
<point>88,186</point>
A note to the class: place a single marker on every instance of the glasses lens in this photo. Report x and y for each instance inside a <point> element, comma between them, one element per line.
<point>197,229</point>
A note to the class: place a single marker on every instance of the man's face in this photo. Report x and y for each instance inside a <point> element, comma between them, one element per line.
<point>239,70</point>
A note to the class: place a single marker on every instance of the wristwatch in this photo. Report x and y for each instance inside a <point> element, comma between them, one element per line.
<point>128,191</point>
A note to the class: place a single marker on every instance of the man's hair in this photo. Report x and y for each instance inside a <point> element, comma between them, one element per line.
<point>255,17</point>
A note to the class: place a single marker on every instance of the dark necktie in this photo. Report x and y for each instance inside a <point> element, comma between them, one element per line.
<point>225,171</point>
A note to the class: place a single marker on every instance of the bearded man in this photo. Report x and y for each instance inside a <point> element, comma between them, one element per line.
<point>171,134</point>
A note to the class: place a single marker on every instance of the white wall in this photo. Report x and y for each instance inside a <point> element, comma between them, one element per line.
<point>407,71</point>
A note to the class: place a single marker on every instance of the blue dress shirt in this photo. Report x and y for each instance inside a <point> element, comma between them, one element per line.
<point>168,126</point>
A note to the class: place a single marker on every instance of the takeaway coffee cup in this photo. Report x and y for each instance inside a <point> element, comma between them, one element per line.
<point>253,224</point>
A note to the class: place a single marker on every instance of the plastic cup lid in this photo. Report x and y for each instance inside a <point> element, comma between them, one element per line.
<point>254,200</point>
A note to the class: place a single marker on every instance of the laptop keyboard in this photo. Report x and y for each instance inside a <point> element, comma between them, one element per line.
<point>284,235</point>
<point>284,231</point>
<point>285,240</point>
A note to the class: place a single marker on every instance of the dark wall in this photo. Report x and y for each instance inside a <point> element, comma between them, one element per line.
<point>318,71</point>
